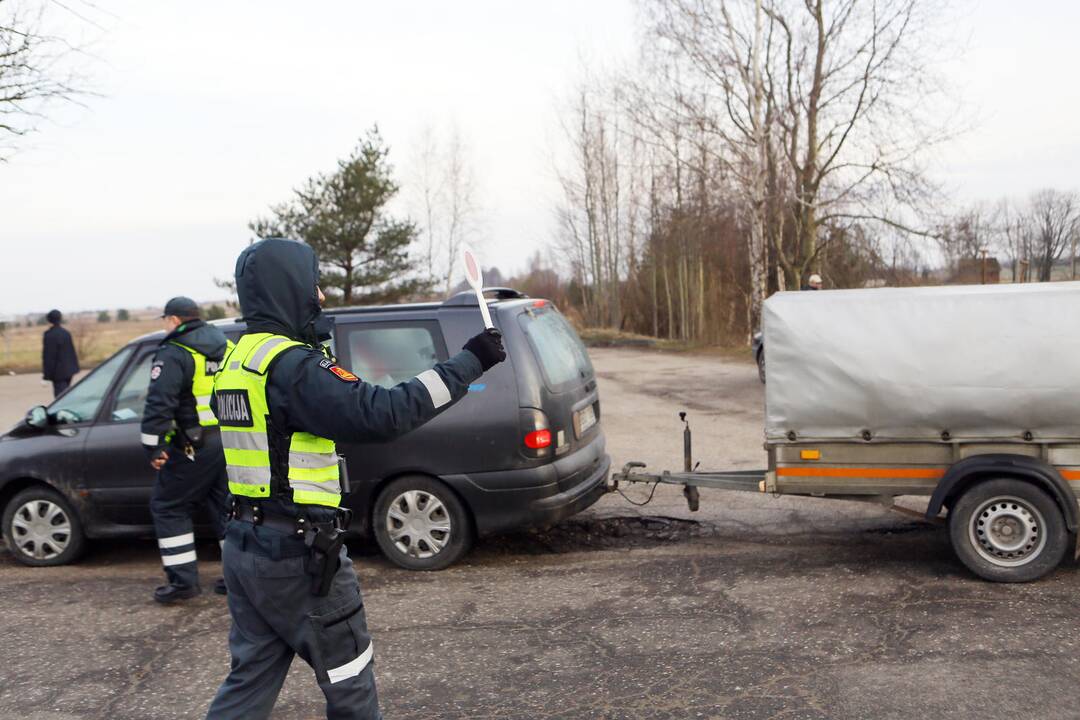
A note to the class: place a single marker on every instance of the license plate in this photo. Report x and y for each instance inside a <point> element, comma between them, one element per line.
<point>586,419</point>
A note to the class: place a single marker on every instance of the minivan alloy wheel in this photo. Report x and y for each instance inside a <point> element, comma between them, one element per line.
<point>41,529</point>
<point>418,524</point>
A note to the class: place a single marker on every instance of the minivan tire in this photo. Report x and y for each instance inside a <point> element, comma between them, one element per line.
<point>1008,530</point>
<point>406,513</point>
<point>32,512</point>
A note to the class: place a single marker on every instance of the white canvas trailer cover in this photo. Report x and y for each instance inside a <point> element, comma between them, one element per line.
<point>995,362</point>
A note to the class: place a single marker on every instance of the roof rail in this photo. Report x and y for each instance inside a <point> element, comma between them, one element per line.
<point>468,297</point>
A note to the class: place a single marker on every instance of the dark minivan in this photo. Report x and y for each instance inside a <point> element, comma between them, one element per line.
<point>525,447</point>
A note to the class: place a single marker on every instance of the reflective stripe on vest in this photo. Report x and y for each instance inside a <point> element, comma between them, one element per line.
<point>240,387</point>
<point>202,382</point>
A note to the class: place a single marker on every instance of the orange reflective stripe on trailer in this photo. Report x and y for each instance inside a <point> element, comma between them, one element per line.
<point>864,472</point>
<point>1070,474</point>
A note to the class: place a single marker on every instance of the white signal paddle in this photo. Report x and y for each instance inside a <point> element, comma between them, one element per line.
<point>476,280</point>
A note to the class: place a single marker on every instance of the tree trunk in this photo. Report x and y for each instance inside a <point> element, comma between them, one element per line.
<point>758,271</point>
<point>670,309</point>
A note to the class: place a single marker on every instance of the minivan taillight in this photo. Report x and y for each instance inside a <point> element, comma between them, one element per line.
<point>538,439</point>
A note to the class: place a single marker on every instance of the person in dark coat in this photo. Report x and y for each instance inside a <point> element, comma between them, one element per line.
<point>59,363</point>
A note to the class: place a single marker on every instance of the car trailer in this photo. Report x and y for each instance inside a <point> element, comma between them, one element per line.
<point>965,394</point>
<point>1011,516</point>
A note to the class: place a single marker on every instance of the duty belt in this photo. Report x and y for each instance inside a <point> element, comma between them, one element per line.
<point>288,524</point>
<point>324,539</point>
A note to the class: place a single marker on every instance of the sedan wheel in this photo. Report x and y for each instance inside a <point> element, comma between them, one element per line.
<point>41,528</point>
<point>420,524</point>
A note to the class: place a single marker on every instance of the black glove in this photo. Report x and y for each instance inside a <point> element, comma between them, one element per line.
<point>488,348</point>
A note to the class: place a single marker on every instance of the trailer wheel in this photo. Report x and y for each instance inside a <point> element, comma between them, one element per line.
<point>1008,531</point>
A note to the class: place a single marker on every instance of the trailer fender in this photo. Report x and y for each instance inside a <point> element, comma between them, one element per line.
<point>978,467</point>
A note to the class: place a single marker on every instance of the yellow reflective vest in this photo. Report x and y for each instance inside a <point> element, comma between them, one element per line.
<point>202,382</point>
<point>312,476</point>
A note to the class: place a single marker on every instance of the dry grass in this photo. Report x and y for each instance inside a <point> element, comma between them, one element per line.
<point>20,348</point>
<point>608,337</point>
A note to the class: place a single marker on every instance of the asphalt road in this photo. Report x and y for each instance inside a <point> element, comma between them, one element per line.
<point>754,607</point>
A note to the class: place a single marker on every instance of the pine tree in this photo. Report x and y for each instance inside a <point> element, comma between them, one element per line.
<point>363,251</point>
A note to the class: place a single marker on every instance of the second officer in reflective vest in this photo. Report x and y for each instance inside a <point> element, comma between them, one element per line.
<point>180,435</point>
<point>283,402</point>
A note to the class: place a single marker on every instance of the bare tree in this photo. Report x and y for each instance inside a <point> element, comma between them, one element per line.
<point>426,192</point>
<point>835,119</point>
<point>721,55</point>
<point>35,70</point>
<point>1014,239</point>
<point>602,216</point>
<point>444,192</point>
<point>969,234</point>
<point>84,333</point>
<point>1054,219</point>
<point>755,141</point>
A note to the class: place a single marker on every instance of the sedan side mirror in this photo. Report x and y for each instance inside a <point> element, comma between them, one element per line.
<point>37,417</point>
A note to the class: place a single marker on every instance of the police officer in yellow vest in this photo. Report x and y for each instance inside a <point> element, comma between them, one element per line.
<point>180,435</point>
<point>283,402</point>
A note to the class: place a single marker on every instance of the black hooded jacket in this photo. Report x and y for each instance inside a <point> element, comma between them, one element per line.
<point>169,397</point>
<point>276,281</point>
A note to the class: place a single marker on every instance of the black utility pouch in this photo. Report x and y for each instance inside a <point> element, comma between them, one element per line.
<point>343,476</point>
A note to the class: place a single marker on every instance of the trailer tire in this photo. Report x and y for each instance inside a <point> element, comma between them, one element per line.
<point>1008,530</point>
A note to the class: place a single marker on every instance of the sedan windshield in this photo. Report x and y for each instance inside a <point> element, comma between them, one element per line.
<point>81,402</point>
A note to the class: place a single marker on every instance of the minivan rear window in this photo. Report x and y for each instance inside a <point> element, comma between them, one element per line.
<point>560,352</point>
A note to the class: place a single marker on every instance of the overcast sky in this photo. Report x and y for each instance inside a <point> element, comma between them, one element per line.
<point>209,112</point>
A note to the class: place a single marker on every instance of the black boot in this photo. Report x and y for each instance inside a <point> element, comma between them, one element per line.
<point>219,586</point>
<point>172,593</point>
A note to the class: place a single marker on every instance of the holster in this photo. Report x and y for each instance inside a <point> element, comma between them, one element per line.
<point>326,549</point>
<point>325,541</point>
<point>193,436</point>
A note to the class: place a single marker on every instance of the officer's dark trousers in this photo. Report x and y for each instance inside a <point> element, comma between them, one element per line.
<point>59,386</point>
<point>275,616</point>
<point>182,487</point>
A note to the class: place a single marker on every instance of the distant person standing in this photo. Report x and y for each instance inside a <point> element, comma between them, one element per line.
<point>59,363</point>
<point>813,282</point>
